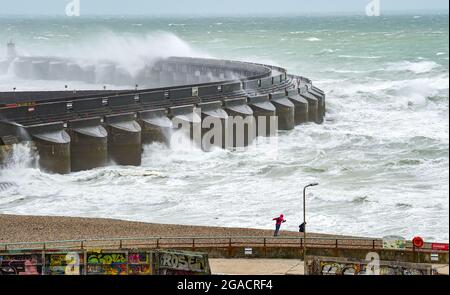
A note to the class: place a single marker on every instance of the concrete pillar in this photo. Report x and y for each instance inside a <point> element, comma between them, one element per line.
<point>184,116</point>
<point>213,112</point>
<point>53,146</point>
<point>313,105</point>
<point>320,95</point>
<point>156,126</point>
<point>124,140</point>
<point>285,110</point>
<point>301,106</point>
<point>89,148</point>
<point>240,113</point>
<point>8,137</point>
<point>263,109</point>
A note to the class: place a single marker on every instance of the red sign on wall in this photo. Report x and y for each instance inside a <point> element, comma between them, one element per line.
<point>439,246</point>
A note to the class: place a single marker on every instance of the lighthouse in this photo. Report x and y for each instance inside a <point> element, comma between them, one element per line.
<point>11,50</point>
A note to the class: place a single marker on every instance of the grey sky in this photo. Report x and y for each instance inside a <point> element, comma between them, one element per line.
<point>215,7</point>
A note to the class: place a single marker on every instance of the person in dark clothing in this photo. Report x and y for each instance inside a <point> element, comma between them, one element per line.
<point>279,220</point>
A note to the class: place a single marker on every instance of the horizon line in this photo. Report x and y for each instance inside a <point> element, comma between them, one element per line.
<point>211,15</point>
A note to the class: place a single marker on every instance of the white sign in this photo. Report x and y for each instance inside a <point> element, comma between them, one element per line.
<point>248,251</point>
<point>434,257</point>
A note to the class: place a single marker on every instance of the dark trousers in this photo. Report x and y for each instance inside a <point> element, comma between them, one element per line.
<point>277,230</point>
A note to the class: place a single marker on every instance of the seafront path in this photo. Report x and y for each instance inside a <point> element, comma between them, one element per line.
<point>229,248</point>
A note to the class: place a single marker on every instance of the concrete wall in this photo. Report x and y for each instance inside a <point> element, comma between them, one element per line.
<point>104,262</point>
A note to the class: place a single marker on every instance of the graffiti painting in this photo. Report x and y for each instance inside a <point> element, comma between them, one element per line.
<point>20,265</point>
<point>139,264</point>
<point>107,263</point>
<point>64,263</point>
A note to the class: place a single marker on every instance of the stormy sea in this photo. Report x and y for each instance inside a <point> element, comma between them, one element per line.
<point>381,157</point>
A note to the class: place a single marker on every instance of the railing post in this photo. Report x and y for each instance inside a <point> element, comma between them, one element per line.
<point>265,248</point>
<point>337,243</point>
<point>120,244</point>
<point>43,263</point>
<point>82,245</point>
<point>157,243</point>
<point>229,248</point>
<point>373,244</point>
<point>193,244</point>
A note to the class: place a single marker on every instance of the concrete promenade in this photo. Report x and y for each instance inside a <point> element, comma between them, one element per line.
<point>273,267</point>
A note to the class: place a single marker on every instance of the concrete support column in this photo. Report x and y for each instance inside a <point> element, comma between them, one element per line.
<point>240,114</point>
<point>53,146</point>
<point>124,141</point>
<point>263,109</point>
<point>214,115</point>
<point>317,93</point>
<point>285,110</point>
<point>89,148</point>
<point>301,106</point>
<point>313,105</point>
<point>184,117</point>
<point>156,126</point>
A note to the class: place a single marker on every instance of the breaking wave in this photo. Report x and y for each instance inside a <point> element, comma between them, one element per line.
<point>414,67</point>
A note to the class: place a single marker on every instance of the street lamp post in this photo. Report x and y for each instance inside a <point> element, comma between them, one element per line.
<point>304,225</point>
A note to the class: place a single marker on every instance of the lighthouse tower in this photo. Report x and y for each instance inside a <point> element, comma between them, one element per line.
<point>11,50</point>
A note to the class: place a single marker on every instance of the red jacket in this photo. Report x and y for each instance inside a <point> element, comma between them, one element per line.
<point>280,219</point>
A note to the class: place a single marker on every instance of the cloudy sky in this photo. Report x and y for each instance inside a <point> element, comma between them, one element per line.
<point>216,7</point>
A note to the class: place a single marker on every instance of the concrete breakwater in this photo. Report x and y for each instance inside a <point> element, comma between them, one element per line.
<point>74,131</point>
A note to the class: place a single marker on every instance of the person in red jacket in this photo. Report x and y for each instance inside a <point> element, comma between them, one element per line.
<point>279,220</point>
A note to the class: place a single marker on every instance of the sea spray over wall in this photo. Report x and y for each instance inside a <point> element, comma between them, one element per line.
<point>107,58</point>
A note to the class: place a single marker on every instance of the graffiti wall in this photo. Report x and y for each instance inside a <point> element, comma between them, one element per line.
<point>336,266</point>
<point>182,263</point>
<point>139,264</point>
<point>71,263</point>
<point>101,262</point>
<point>107,263</point>
<point>20,264</point>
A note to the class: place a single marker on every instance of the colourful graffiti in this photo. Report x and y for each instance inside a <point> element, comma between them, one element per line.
<point>99,262</point>
<point>139,264</point>
<point>183,262</point>
<point>330,266</point>
<point>107,263</point>
<point>64,264</point>
<point>20,265</point>
<point>340,268</point>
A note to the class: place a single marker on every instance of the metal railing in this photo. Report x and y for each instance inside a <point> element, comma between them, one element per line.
<point>196,243</point>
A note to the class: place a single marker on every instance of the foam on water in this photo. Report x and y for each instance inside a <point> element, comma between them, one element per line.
<point>415,67</point>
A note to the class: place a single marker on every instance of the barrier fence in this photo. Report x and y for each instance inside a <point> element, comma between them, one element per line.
<point>195,243</point>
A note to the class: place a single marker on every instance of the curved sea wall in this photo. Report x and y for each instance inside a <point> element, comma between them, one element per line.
<point>229,103</point>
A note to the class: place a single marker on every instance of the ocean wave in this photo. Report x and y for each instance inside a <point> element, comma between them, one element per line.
<point>327,51</point>
<point>313,39</point>
<point>419,88</point>
<point>415,67</point>
<point>360,56</point>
